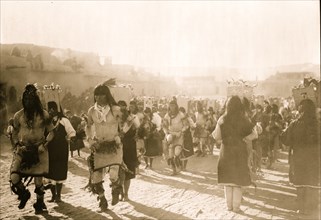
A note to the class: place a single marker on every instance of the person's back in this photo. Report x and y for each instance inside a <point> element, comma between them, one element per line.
<point>303,138</point>
<point>234,130</point>
<point>258,117</point>
<point>75,121</point>
<point>233,171</point>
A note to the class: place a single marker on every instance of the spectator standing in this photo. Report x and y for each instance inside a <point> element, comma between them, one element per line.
<point>233,171</point>
<point>303,138</point>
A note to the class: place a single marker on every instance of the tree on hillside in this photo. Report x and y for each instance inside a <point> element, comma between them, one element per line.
<point>72,62</point>
<point>13,104</point>
<point>16,52</point>
<point>3,108</point>
<point>29,58</point>
<point>12,97</point>
<point>38,63</point>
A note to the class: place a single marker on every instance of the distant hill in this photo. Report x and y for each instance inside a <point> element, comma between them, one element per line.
<point>226,73</point>
<point>51,59</point>
<point>77,71</point>
<point>305,67</point>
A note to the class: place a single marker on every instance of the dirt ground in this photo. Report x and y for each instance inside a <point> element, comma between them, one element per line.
<point>154,194</point>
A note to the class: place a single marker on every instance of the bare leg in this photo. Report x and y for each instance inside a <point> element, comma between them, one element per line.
<point>151,162</point>
<point>237,198</point>
<point>184,164</point>
<point>228,190</point>
<point>126,189</point>
<point>146,161</point>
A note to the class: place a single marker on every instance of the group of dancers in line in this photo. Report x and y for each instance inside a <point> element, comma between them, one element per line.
<point>40,140</point>
<point>115,134</point>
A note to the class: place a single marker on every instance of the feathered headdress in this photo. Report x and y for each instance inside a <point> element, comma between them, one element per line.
<point>110,82</point>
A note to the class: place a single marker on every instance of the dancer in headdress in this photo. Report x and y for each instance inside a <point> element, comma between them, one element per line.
<point>174,128</point>
<point>105,143</point>
<point>30,157</point>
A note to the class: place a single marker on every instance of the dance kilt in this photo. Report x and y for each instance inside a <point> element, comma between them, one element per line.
<point>107,154</point>
<point>33,161</point>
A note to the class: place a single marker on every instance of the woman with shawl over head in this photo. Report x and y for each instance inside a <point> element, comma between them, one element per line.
<point>233,172</point>
<point>303,138</point>
<point>58,150</point>
<point>188,147</point>
<point>148,132</point>
<point>274,128</point>
<point>129,126</point>
<point>251,140</point>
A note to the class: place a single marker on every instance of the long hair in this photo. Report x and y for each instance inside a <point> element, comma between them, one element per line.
<point>236,124</point>
<point>53,105</point>
<point>134,103</point>
<point>246,106</point>
<point>123,109</point>
<point>148,113</point>
<point>309,120</point>
<point>234,116</point>
<point>199,107</point>
<point>234,107</point>
<point>173,113</point>
<point>31,104</point>
<point>274,109</point>
<point>104,90</point>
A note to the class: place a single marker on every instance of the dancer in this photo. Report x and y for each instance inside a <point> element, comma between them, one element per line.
<point>174,128</point>
<point>105,143</point>
<point>30,157</point>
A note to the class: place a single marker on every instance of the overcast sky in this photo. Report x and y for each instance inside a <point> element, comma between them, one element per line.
<point>247,34</point>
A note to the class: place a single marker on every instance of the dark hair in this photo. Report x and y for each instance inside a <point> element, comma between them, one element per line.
<point>308,110</point>
<point>309,120</point>
<point>246,105</point>
<point>234,107</point>
<point>104,90</point>
<point>173,102</point>
<point>53,105</point>
<point>235,121</point>
<point>122,103</point>
<point>182,109</point>
<point>147,110</point>
<point>34,105</point>
<point>199,107</point>
<point>134,103</point>
<point>258,106</point>
<point>274,108</point>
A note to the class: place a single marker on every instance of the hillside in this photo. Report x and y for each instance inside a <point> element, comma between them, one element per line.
<point>41,58</point>
<point>77,71</point>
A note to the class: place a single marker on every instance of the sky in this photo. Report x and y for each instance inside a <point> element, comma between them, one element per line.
<point>164,34</point>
